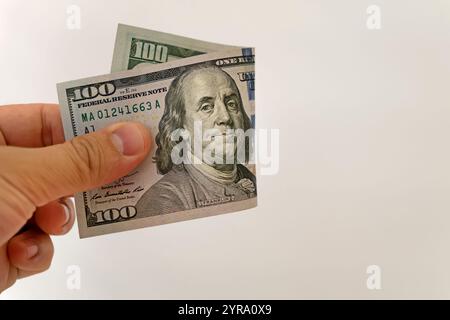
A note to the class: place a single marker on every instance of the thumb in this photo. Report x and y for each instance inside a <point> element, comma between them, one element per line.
<point>32,177</point>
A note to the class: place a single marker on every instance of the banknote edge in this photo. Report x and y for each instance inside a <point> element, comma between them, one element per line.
<point>180,216</point>
<point>126,27</point>
<point>61,86</point>
<point>123,29</point>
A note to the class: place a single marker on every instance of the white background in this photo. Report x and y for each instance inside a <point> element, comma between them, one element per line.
<point>364,120</point>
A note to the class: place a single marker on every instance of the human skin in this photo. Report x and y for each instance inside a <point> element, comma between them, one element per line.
<point>38,171</point>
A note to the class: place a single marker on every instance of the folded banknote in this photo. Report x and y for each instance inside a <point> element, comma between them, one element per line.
<point>199,108</point>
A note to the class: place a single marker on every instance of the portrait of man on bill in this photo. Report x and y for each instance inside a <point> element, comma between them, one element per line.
<point>205,97</point>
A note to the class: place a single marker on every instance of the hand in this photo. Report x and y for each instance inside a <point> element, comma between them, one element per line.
<point>37,170</point>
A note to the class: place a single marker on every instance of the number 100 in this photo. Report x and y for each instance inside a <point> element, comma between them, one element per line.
<point>150,51</point>
<point>92,91</point>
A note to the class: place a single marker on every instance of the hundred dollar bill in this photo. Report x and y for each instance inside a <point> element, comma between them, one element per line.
<point>200,112</point>
<point>138,47</point>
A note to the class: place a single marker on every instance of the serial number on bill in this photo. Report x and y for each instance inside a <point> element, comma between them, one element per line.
<point>119,111</point>
<point>226,309</point>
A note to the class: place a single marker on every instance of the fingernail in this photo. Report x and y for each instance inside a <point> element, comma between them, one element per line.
<point>32,250</point>
<point>66,213</point>
<point>128,139</point>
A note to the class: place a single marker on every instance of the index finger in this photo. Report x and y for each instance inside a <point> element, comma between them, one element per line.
<point>31,125</point>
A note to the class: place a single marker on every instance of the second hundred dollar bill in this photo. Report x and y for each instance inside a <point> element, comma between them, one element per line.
<point>141,48</point>
<point>137,47</point>
<point>200,112</point>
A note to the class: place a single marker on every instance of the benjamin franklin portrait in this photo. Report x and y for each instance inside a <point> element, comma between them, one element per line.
<point>210,96</point>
